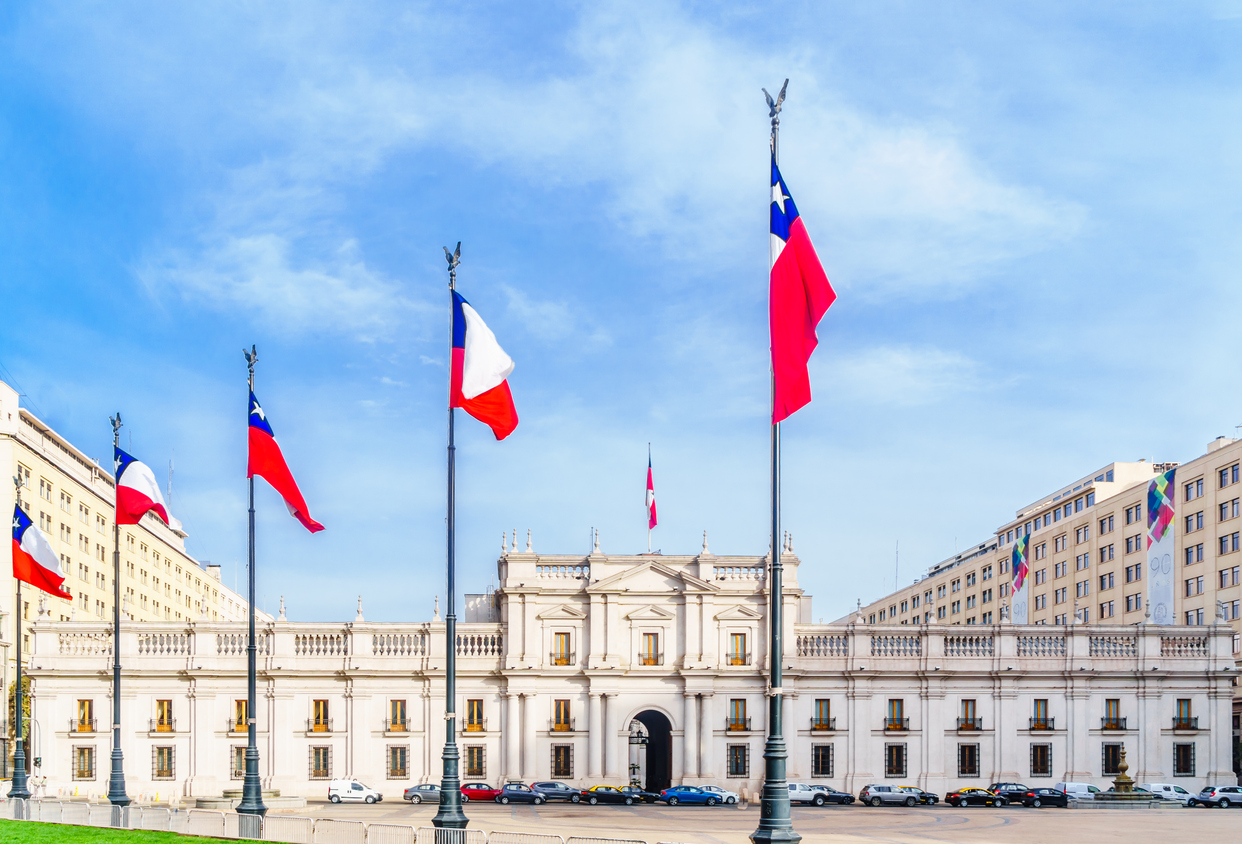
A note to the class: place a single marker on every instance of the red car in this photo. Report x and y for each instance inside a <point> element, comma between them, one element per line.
<point>478,791</point>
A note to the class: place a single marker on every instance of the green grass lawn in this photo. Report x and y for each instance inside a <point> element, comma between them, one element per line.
<point>30,832</point>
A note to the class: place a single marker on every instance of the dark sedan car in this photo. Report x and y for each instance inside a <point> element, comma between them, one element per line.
<point>515,792</point>
<point>920,795</point>
<point>426,793</point>
<point>973,797</point>
<point>831,795</point>
<point>1038,797</point>
<point>607,794</point>
<point>639,795</point>
<point>557,791</point>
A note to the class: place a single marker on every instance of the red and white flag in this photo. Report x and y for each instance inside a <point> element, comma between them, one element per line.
<point>34,561</point>
<point>651,508</point>
<point>137,491</point>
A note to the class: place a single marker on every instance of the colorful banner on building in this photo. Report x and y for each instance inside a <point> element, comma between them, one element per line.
<point>1018,606</point>
<point>1161,549</point>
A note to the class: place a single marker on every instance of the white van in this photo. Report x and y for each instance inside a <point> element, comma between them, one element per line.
<point>1166,791</point>
<point>351,790</point>
<point>1078,790</point>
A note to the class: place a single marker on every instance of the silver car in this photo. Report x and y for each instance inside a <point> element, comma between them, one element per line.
<point>876,795</point>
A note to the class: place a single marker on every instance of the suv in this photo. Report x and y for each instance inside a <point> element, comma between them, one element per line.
<point>800,792</point>
<point>1013,792</point>
<point>1220,796</point>
<point>352,790</point>
<point>556,791</point>
<point>874,795</point>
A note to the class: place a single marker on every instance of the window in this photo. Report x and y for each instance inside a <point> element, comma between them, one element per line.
<point>1106,609</point>
<point>474,716</point>
<point>65,501</point>
<point>397,716</point>
<point>651,649</point>
<point>321,763</point>
<point>563,760</point>
<point>1229,577</point>
<point>1229,510</point>
<point>737,649</point>
<point>83,763</point>
<point>164,717</point>
<point>1111,763</point>
<point>561,723</point>
<point>1194,586</point>
<point>476,761</point>
<point>1134,514</point>
<point>1060,596</point>
<point>940,591</point>
<point>894,761</point>
<point>1106,581</point>
<point>1004,590</point>
<point>1194,489</point>
<point>1082,588</point>
<point>1106,524</point>
<point>1060,543</point>
<point>398,761</point>
<point>1039,714</point>
<point>561,655</point>
<point>1041,576</point>
<point>1184,760</point>
<point>987,572</point>
<point>970,579</point>
<point>1134,573</point>
<point>1060,569</point>
<point>940,612</point>
<point>1106,553</point>
<point>822,720</point>
<point>969,719</point>
<point>320,722</point>
<point>1082,534</point>
<point>1194,554</point>
<point>905,606</point>
<point>86,717</point>
<point>986,597</point>
<point>1134,602</point>
<point>1134,543</point>
<point>914,601</point>
<point>1194,522</point>
<point>956,585</point>
<point>1229,475</point>
<point>1194,618</point>
<point>968,760</point>
<point>739,760</point>
<point>1041,760</point>
<point>956,607</point>
<point>1082,561</point>
<point>821,760</point>
<point>737,715</point>
<point>162,763</point>
<point>239,763</point>
<point>1112,715</point>
<point>45,489</point>
<point>1041,602</point>
<point>972,601</point>
<point>896,715</point>
<point>1229,543</point>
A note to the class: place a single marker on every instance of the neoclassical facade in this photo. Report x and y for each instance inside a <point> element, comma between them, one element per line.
<point>602,668</point>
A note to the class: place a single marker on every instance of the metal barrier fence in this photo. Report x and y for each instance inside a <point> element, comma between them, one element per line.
<point>287,829</point>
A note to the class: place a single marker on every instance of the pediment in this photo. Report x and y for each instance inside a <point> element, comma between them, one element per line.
<point>649,613</point>
<point>738,613</point>
<point>653,577</point>
<point>564,612</point>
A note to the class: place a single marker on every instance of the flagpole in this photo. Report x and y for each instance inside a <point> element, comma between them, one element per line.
<point>449,815</point>
<point>649,501</point>
<point>775,823</point>
<point>252,787</point>
<point>116,782</point>
<point>19,789</point>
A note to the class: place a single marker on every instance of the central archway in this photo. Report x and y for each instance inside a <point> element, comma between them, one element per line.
<point>659,749</point>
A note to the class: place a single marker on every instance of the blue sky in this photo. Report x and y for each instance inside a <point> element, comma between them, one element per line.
<point>1030,213</point>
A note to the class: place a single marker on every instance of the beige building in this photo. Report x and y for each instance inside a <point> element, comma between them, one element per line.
<point>70,498</point>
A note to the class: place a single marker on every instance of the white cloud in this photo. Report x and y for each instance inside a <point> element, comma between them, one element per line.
<point>903,376</point>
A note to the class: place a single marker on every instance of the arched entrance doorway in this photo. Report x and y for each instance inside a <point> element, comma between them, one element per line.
<point>659,749</point>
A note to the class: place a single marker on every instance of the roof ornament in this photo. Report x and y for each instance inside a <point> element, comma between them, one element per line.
<point>705,551</point>
<point>529,548</point>
<point>281,617</point>
<point>359,616</point>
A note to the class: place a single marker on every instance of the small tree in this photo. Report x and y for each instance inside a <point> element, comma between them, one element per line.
<point>25,707</point>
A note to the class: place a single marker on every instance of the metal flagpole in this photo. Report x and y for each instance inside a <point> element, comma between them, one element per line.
<point>19,789</point>
<point>252,789</point>
<point>450,814</point>
<point>775,823</point>
<point>116,783</point>
<point>647,496</point>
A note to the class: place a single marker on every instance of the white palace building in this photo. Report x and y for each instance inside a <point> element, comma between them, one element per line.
<point>602,668</point>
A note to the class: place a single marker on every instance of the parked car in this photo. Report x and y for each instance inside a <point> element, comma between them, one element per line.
<point>425,793</point>
<point>973,797</point>
<point>557,791</point>
<point>606,794</point>
<point>639,795</point>
<point>352,791</point>
<point>1077,790</point>
<point>1011,791</point>
<point>800,792</point>
<point>831,795</point>
<point>728,797</point>
<point>687,794</point>
<point>1167,791</point>
<point>1039,797</point>
<point>875,795</point>
<point>515,792</point>
<point>1220,796</point>
<point>478,791</point>
<point>921,795</point>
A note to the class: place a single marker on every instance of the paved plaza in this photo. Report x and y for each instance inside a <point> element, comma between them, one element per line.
<point>728,825</point>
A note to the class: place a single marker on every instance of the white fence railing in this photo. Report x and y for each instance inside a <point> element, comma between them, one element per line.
<point>288,829</point>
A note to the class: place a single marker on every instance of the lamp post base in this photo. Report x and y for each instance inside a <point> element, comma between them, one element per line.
<point>450,815</point>
<point>775,823</point>
<point>19,789</point>
<point>116,782</point>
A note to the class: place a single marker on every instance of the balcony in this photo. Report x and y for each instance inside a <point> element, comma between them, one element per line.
<point>82,725</point>
<point>651,659</point>
<point>238,726</point>
<point>823,725</point>
<point>475,725</point>
<point>738,659</point>
<point>562,658</point>
<point>318,725</point>
<point>1186,723</point>
<point>561,726</point>
<point>1107,723</point>
<point>1046,724</point>
<point>969,725</point>
<point>163,725</point>
<point>896,725</point>
<point>737,725</point>
<point>401,726</point>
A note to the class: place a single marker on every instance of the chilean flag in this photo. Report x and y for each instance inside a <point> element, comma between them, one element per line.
<point>651,508</point>
<point>267,461</point>
<point>480,367</point>
<point>137,491</point>
<point>800,296</point>
<point>34,561</point>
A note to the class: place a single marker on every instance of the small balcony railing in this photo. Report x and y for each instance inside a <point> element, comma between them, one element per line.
<point>82,725</point>
<point>477,725</point>
<point>738,659</point>
<point>969,725</point>
<point>1043,723</point>
<point>651,659</point>
<point>391,726</point>
<point>562,658</point>
<point>561,726</point>
<point>737,725</point>
<point>1107,723</point>
<point>896,725</point>
<point>1185,722</point>
<point>236,726</point>
<point>163,725</point>
<point>823,725</point>
<point>318,725</point>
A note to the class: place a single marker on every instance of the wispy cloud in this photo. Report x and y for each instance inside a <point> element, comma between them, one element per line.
<point>903,376</point>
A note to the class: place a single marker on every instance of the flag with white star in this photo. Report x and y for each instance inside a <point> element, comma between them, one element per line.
<point>34,561</point>
<point>268,462</point>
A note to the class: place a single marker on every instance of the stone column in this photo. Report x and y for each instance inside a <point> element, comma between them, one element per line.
<point>513,736</point>
<point>706,738</point>
<point>790,729</point>
<point>612,759</point>
<point>529,717</point>
<point>689,736</point>
<point>595,737</point>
